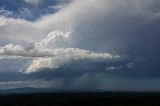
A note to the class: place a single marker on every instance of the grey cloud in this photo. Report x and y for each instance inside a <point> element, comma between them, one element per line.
<point>105,27</point>
<point>94,81</point>
<point>78,67</point>
<point>29,83</point>
<point>4,12</point>
<point>54,59</point>
<point>129,27</point>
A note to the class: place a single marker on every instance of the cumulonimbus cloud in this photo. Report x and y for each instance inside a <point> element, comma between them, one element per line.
<point>115,26</point>
<point>44,58</point>
<point>96,30</point>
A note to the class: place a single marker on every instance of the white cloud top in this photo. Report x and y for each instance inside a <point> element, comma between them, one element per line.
<point>34,2</point>
<point>52,58</point>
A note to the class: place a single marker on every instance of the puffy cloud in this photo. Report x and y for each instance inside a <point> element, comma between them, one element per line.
<point>128,65</point>
<point>38,48</point>
<point>5,12</point>
<point>58,6</point>
<point>53,37</point>
<point>25,12</point>
<point>58,60</point>
<point>16,27</point>
<point>44,58</point>
<point>34,2</point>
<point>55,59</point>
<point>70,56</point>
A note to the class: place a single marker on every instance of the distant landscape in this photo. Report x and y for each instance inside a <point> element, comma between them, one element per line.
<point>36,97</point>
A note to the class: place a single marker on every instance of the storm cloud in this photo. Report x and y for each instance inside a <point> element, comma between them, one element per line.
<point>86,41</point>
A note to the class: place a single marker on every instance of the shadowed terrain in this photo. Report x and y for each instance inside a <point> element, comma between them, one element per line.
<point>81,99</point>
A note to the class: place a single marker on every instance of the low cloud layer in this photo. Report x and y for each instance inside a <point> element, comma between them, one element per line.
<point>46,59</point>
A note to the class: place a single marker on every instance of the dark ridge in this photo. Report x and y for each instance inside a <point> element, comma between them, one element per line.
<point>82,99</point>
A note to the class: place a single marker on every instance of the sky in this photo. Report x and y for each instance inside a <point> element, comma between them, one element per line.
<point>80,44</point>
